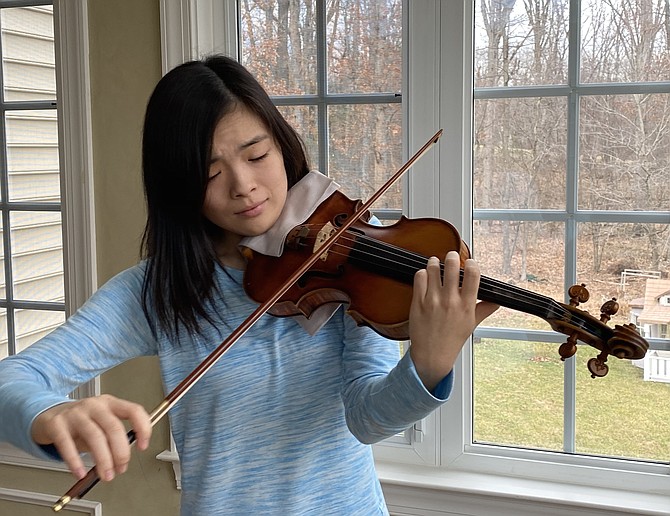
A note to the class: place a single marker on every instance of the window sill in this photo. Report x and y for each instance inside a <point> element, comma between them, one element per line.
<point>426,488</point>
<point>12,456</point>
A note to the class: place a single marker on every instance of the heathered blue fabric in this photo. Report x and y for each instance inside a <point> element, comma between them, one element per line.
<point>280,425</point>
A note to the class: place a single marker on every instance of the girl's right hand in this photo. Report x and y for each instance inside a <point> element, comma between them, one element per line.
<point>93,425</point>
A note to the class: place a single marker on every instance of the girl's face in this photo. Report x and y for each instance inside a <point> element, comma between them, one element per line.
<point>247,181</point>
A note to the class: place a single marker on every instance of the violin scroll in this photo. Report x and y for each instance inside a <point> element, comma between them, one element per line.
<point>622,341</point>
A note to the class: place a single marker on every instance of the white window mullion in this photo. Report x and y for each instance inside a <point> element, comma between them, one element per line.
<point>455,198</point>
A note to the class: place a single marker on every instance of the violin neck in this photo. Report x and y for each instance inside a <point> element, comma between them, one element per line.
<point>401,265</point>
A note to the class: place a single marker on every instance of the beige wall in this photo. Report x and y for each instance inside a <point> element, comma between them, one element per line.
<point>125,65</point>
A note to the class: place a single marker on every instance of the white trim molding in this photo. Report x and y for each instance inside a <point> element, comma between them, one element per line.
<point>47,500</point>
<point>191,29</point>
<point>76,149</point>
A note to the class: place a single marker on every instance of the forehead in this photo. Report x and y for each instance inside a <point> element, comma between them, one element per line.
<point>238,127</point>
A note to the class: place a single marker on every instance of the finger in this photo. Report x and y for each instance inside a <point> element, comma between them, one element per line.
<point>420,286</point>
<point>95,441</point>
<point>434,273</point>
<point>452,268</point>
<point>471,277</point>
<point>117,440</point>
<point>68,451</point>
<point>138,418</point>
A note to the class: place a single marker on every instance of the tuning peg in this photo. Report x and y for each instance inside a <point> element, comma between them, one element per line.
<point>568,348</point>
<point>608,309</point>
<point>578,294</point>
<point>597,366</point>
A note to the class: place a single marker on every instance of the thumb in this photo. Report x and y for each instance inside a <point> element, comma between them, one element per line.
<point>483,310</point>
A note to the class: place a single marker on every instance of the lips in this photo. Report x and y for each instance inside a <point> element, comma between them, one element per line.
<point>253,210</point>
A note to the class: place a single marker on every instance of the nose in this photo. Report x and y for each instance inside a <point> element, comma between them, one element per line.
<point>242,182</point>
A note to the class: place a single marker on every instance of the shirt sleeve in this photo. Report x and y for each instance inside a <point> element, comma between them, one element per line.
<point>382,392</point>
<point>109,329</point>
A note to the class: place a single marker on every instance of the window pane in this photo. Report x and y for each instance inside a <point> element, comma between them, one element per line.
<point>32,325</point>
<point>519,396</point>
<point>622,415</point>
<point>364,44</point>
<point>4,348</point>
<point>520,43</point>
<point>37,256</point>
<point>365,150</point>
<point>28,53</point>
<point>624,41</point>
<point>520,153</point>
<point>524,255</point>
<point>32,155</point>
<point>623,261</point>
<point>279,45</point>
<point>625,152</point>
<point>304,120</point>
<point>618,260</point>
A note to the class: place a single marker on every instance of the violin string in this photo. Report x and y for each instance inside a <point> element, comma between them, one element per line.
<point>498,290</point>
<point>502,291</point>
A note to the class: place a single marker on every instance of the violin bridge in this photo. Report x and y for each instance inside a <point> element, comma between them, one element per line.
<point>324,234</point>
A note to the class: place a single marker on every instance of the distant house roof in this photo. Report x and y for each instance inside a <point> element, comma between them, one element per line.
<point>638,302</point>
<point>653,312</point>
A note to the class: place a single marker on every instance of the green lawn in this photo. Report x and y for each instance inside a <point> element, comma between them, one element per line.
<point>519,401</point>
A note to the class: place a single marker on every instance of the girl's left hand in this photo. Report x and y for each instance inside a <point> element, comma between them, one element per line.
<point>443,315</point>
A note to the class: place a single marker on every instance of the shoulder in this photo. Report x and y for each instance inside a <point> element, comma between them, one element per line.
<point>132,277</point>
<point>122,287</point>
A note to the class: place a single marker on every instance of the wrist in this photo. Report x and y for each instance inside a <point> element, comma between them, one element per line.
<point>431,370</point>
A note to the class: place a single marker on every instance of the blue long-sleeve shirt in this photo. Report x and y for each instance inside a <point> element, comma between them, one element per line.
<point>283,420</point>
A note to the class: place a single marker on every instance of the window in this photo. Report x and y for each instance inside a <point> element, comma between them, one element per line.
<point>45,189</point>
<point>30,181</point>
<point>570,167</point>
<point>536,161</point>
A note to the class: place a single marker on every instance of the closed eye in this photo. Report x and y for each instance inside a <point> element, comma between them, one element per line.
<point>212,177</point>
<point>260,158</point>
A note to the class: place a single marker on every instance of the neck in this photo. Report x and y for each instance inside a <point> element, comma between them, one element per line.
<point>228,252</point>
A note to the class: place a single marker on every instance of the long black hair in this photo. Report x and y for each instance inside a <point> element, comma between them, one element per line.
<point>180,119</point>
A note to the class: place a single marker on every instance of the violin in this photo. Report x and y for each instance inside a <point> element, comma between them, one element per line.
<point>371,269</point>
<point>336,256</point>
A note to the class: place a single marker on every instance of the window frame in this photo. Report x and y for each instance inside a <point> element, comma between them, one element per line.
<point>76,166</point>
<point>440,185</point>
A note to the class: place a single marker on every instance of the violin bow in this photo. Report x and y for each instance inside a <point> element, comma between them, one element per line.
<point>85,484</point>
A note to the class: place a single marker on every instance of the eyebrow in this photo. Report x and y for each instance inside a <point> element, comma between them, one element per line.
<point>245,145</point>
<point>253,141</point>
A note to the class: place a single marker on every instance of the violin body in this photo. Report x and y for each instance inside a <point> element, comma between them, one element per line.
<point>362,275</point>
